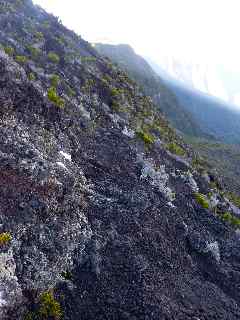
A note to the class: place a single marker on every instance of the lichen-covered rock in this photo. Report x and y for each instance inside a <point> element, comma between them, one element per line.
<point>11,297</point>
<point>103,222</point>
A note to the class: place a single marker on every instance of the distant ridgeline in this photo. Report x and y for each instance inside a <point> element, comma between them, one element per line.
<point>191,112</point>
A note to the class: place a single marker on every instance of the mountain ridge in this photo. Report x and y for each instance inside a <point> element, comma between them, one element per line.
<point>192,108</point>
<point>141,71</point>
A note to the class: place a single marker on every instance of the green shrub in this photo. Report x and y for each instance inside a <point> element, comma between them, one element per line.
<point>5,237</point>
<point>116,92</point>
<point>202,200</point>
<point>34,52</point>
<point>9,51</point>
<point>234,198</point>
<point>31,76</point>
<point>49,307</point>
<point>231,219</point>
<point>39,35</point>
<point>175,149</point>
<point>235,221</point>
<point>60,40</point>
<point>54,97</point>
<point>21,59</point>
<point>115,106</point>
<point>226,216</point>
<point>53,57</point>
<point>67,275</point>
<point>106,79</point>
<point>55,80</point>
<point>145,136</point>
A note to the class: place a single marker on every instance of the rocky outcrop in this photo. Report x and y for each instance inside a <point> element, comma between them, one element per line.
<point>98,218</point>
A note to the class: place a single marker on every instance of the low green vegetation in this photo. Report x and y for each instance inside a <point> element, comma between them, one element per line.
<point>21,59</point>
<point>55,79</point>
<point>106,80</point>
<point>145,136</point>
<point>116,92</point>
<point>221,157</point>
<point>53,57</point>
<point>60,40</point>
<point>31,76</point>
<point>67,275</point>
<point>115,106</point>
<point>235,199</point>
<point>231,219</point>
<point>39,35</point>
<point>5,238</point>
<point>9,50</point>
<point>202,200</point>
<point>34,52</point>
<point>49,307</point>
<point>175,149</point>
<point>54,97</point>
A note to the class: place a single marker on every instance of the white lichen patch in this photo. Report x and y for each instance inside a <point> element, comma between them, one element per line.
<point>213,248</point>
<point>213,201</point>
<point>3,302</point>
<point>128,132</point>
<point>62,165</point>
<point>171,205</point>
<point>234,209</point>
<point>10,293</point>
<point>188,178</point>
<point>157,177</point>
<point>85,114</point>
<point>66,155</point>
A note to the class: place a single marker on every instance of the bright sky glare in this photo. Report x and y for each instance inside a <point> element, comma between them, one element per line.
<point>193,30</point>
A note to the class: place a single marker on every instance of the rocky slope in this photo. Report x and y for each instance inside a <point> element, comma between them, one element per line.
<point>102,213</point>
<point>206,123</point>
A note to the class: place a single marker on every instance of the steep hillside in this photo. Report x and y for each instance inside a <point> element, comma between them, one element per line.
<point>152,85</point>
<point>190,111</point>
<point>214,117</point>
<point>223,157</point>
<point>104,211</point>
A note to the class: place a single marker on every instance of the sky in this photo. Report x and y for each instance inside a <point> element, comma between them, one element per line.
<point>204,32</point>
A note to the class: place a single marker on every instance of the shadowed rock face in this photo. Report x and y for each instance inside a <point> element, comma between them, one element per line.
<point>94,208</point>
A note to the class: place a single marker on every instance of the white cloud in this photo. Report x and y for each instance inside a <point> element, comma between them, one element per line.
<point>202,30</point>
<point>193,31</point>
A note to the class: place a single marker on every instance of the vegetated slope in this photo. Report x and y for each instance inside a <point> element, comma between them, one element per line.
<point>224,157</point>
<point>102,215</point>
<point>152,85</point>
<point>212,115</point>
<point>184,107</point>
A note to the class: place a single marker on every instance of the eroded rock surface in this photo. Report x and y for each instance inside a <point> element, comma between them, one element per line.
<point>95,210</point>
